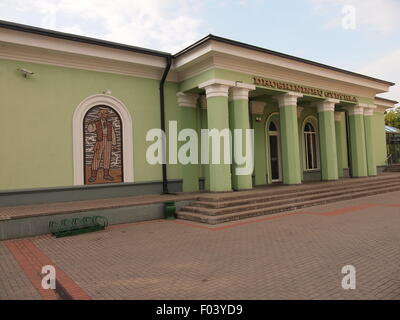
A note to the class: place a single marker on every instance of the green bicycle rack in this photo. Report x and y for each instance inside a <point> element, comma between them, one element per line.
<point>70,227</point>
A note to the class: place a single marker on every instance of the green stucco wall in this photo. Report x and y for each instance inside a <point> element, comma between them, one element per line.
<point>36,121</point>
<point>36,125</point>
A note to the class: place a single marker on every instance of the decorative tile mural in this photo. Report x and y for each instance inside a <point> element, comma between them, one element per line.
<point>102,146</point>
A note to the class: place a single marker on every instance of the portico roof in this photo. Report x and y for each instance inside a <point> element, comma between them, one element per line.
<point>274,53</point>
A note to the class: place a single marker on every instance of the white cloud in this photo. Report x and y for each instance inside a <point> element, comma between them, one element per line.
<point>381,16</point>
<point>388,68</point>
<point>156,24</point>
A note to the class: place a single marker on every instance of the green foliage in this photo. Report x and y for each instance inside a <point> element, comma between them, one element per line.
<point>392,118</point>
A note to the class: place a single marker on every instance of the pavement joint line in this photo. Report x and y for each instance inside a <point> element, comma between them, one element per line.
<point>32,259</point>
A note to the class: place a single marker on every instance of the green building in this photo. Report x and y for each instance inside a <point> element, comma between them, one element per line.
<point>75,113</point>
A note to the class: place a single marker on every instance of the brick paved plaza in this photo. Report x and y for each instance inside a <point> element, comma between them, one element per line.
<point>292,255</point>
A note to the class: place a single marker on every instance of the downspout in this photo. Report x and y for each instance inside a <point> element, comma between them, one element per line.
<point>162,119</point>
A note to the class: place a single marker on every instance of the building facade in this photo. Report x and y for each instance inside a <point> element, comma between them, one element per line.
<point>75,113</point>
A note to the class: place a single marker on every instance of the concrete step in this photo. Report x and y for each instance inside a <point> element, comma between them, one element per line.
<point>267,197</point>
<point>283,207</point>
<point>260,203</point>
<point>277,190</point>
<point>393,168</point>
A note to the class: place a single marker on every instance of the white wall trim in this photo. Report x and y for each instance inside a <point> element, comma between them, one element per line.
<point>268,147</point>
<point>77,132</point>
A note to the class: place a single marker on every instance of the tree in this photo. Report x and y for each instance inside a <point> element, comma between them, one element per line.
<point>392,118</point>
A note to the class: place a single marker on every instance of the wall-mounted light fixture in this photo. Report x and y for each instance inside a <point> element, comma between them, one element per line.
<point>26,72</point>
<point>107,92</point>
<point>258,119</point>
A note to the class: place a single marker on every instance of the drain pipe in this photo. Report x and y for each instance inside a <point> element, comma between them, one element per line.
<point>162,119</point>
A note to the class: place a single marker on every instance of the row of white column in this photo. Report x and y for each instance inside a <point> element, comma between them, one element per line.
<point>227,105</point>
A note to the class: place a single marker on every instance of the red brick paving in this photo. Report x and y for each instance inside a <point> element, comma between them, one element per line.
<point>31,260</point>
<point>293,255</point>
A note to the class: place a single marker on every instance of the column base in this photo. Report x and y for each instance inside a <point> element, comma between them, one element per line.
<point>220,191</point>
<point>247,189</point>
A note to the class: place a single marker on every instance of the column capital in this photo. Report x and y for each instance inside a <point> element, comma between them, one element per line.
<point>355,110</point>
<point>217,87</point>
<point>288,99</point>
<point>241,91</point>
<point>187,99</point>
<point>327,105</point>
<point>369,111</point>
<point>257,107</point>
<point>339,116</point>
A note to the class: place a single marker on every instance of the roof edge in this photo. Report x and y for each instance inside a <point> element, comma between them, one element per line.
<point>278,54</point>
<point>387,100</point>
<point>77,38</point>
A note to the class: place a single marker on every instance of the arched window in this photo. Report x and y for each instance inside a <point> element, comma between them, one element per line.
<point>310,147</point>
<point>273,147</point>
<point>102,146</point>
<point>117,167</point>
<point>272,127</point>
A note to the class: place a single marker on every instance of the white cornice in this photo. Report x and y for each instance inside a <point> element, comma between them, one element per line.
<point>73,47</point>
<point>264,57</point>
<point>83,62</point>
<point>243,60</point>
<point>383,103</point>
<point>36,48</point>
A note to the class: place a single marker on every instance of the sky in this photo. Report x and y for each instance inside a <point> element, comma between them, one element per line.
<point>357,35</point>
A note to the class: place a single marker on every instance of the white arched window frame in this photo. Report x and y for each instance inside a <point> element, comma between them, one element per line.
<point>273,118</point>
<point>311,157</point>
<point>77,131</point>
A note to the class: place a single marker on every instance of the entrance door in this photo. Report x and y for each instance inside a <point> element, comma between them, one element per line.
<point>274,152</point>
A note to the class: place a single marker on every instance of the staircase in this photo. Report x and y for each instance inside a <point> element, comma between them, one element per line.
<point>215,208</point>
<point>392,168</point>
